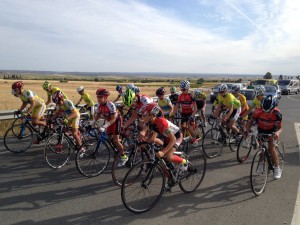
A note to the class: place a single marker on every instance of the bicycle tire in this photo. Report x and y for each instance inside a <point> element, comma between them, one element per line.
<point>233,142</point>
<point>243,151</point>
<point>199,130</point>
<point>93,161</point>
<point>280,150</point>
<point>57,151</point>
<point>259,175</point>
<point>213,143</point>
<point>194,176</point>
<point>143,187</point>
<point>17,140</point>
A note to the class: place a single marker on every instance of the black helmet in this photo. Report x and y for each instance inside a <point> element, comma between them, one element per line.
<point>268,104</point>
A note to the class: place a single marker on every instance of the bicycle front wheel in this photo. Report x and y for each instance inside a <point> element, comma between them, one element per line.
<point>259,173</point>
<point>194,175</point>
<point>234,141</point>
<point>93,158</point>
<point>244,148</point>
<point>142,187</point>
<point>57,151</point>
<point>213,143</point>
<point>18,138</point>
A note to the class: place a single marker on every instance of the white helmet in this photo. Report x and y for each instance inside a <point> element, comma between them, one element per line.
<point>260,90</point>
<point>197,92</point>
<point>222,87</point>
<point>130,86</point>
<point>185,84</point>
<point>80,89</point>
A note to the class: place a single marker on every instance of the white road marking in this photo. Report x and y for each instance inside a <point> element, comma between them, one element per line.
<point>296,216</point>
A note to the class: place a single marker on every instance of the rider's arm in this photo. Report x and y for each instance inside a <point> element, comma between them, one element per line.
<point>226,117</point>
<point>79,101</point>
<point>172,141</point>
<point>117,98</point>
<point>73,115</point>
<point>32,104</point>
<point>133,117</point>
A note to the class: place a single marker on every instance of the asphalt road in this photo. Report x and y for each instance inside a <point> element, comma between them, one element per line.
<point>32,193</point>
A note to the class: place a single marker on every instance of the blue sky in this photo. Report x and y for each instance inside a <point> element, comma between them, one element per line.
<point>180,36</point>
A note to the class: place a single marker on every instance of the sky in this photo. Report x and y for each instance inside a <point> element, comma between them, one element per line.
<point>172,36</point>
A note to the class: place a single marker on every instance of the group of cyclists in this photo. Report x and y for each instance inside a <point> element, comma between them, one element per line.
<point>155,119</point>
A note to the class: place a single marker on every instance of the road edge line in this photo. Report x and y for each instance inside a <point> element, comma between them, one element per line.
<point>296,215</point>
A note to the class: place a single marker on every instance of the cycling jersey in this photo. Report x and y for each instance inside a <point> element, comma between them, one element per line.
<point>143,100</point>
<point>256,103</point>
<point>186,101</point>
<point>267,122</point>
<point>53,90</point>
<point>87,99</point>
<point>243,100</point>
<point>68,108</point>
<point>164,104</point>
<point>107,110</point>
<point>173,98</point>
<point>27,95</point>
<point>200,100</point>
<point>229,100</point>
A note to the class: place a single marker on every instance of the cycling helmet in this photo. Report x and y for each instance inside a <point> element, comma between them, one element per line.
<point>119,88</point>
<point>128,97</point>
<point>185,84</point>
<point>173,89</point>
<point>150,109</point>
<point>197,92</point>
<point>137,89</point>
<point>236,88</point>
<point>17,85</point>
<point>57,96</point>
<point>268,104</point>
<point>102,92</point>
<point>130,86</point>
<point>222,87</point>
<point>260,90</point>
<point>80,89</point>
<point>46,85</point>
<point>160,91</point>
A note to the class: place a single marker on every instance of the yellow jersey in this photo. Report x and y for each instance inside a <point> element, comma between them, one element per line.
<point>53,90</point>
<point>229,100</point>
<point>27,95</point>
<point>87,99</point>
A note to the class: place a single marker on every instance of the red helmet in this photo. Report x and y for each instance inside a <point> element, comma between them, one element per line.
<point>18,84</point>
<point>160,91</point>
<point>150,109</point>
<point>102,92</point>
<point>57,96</point>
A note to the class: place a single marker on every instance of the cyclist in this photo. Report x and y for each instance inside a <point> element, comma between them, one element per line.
<point>37,105</point>
<point>137,90</point>
<point>135,102</point>
<point>151,114</point>
<point>236,91</point>
<point>269,121</point>
<point>188,108</point>
<point>71,114</point>
<point>113,120</point>
<point>259,96</point>
<point>231,104</point>
<point>50,91</point>
<point>200,99</point>
<point>164,102</point>
<point>120,91</point>
<point>173,96</point>
<point>90,105</point>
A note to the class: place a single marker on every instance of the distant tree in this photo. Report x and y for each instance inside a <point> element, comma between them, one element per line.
<point>200,81</point>
<point>96,79</point>
<point>268,76</point>
<point>280,77</point>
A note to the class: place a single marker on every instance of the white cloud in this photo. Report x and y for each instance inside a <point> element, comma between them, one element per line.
<point>131,36</point>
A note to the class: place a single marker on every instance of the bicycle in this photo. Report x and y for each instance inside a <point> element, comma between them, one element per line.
<point>216,138</point>
<point>262,163</point>
<point>19,137</point>
<point>58,148</point>
<point>246,145</point>
<point>144,183</point>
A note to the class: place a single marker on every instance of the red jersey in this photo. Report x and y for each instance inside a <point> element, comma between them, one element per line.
<point>143,100</point>
<point>268,121</point>
<point>107,110</point>
<point>186,101</point>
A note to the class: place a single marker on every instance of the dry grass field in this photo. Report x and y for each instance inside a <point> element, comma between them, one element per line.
<point>9,102</point>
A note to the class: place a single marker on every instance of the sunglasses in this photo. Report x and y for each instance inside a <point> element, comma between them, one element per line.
<point>221,92</point>
<point>183,89</point>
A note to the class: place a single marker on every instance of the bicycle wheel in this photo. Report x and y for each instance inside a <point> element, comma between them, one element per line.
<point>213,143</point>
<point>199,129</point>
<point>18,138</point>
<point>244,148</point>
<point>234,141</point>
<point>193,177</point>
<point>259,173</point>
<point>57,151</point>
<point>142,187</point>
<point>94,159</point>
<point>280,150</point>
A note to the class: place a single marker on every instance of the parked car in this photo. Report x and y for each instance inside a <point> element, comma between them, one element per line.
<point>249,94</point>
<point>289,86</point>
<point>272,90</point>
